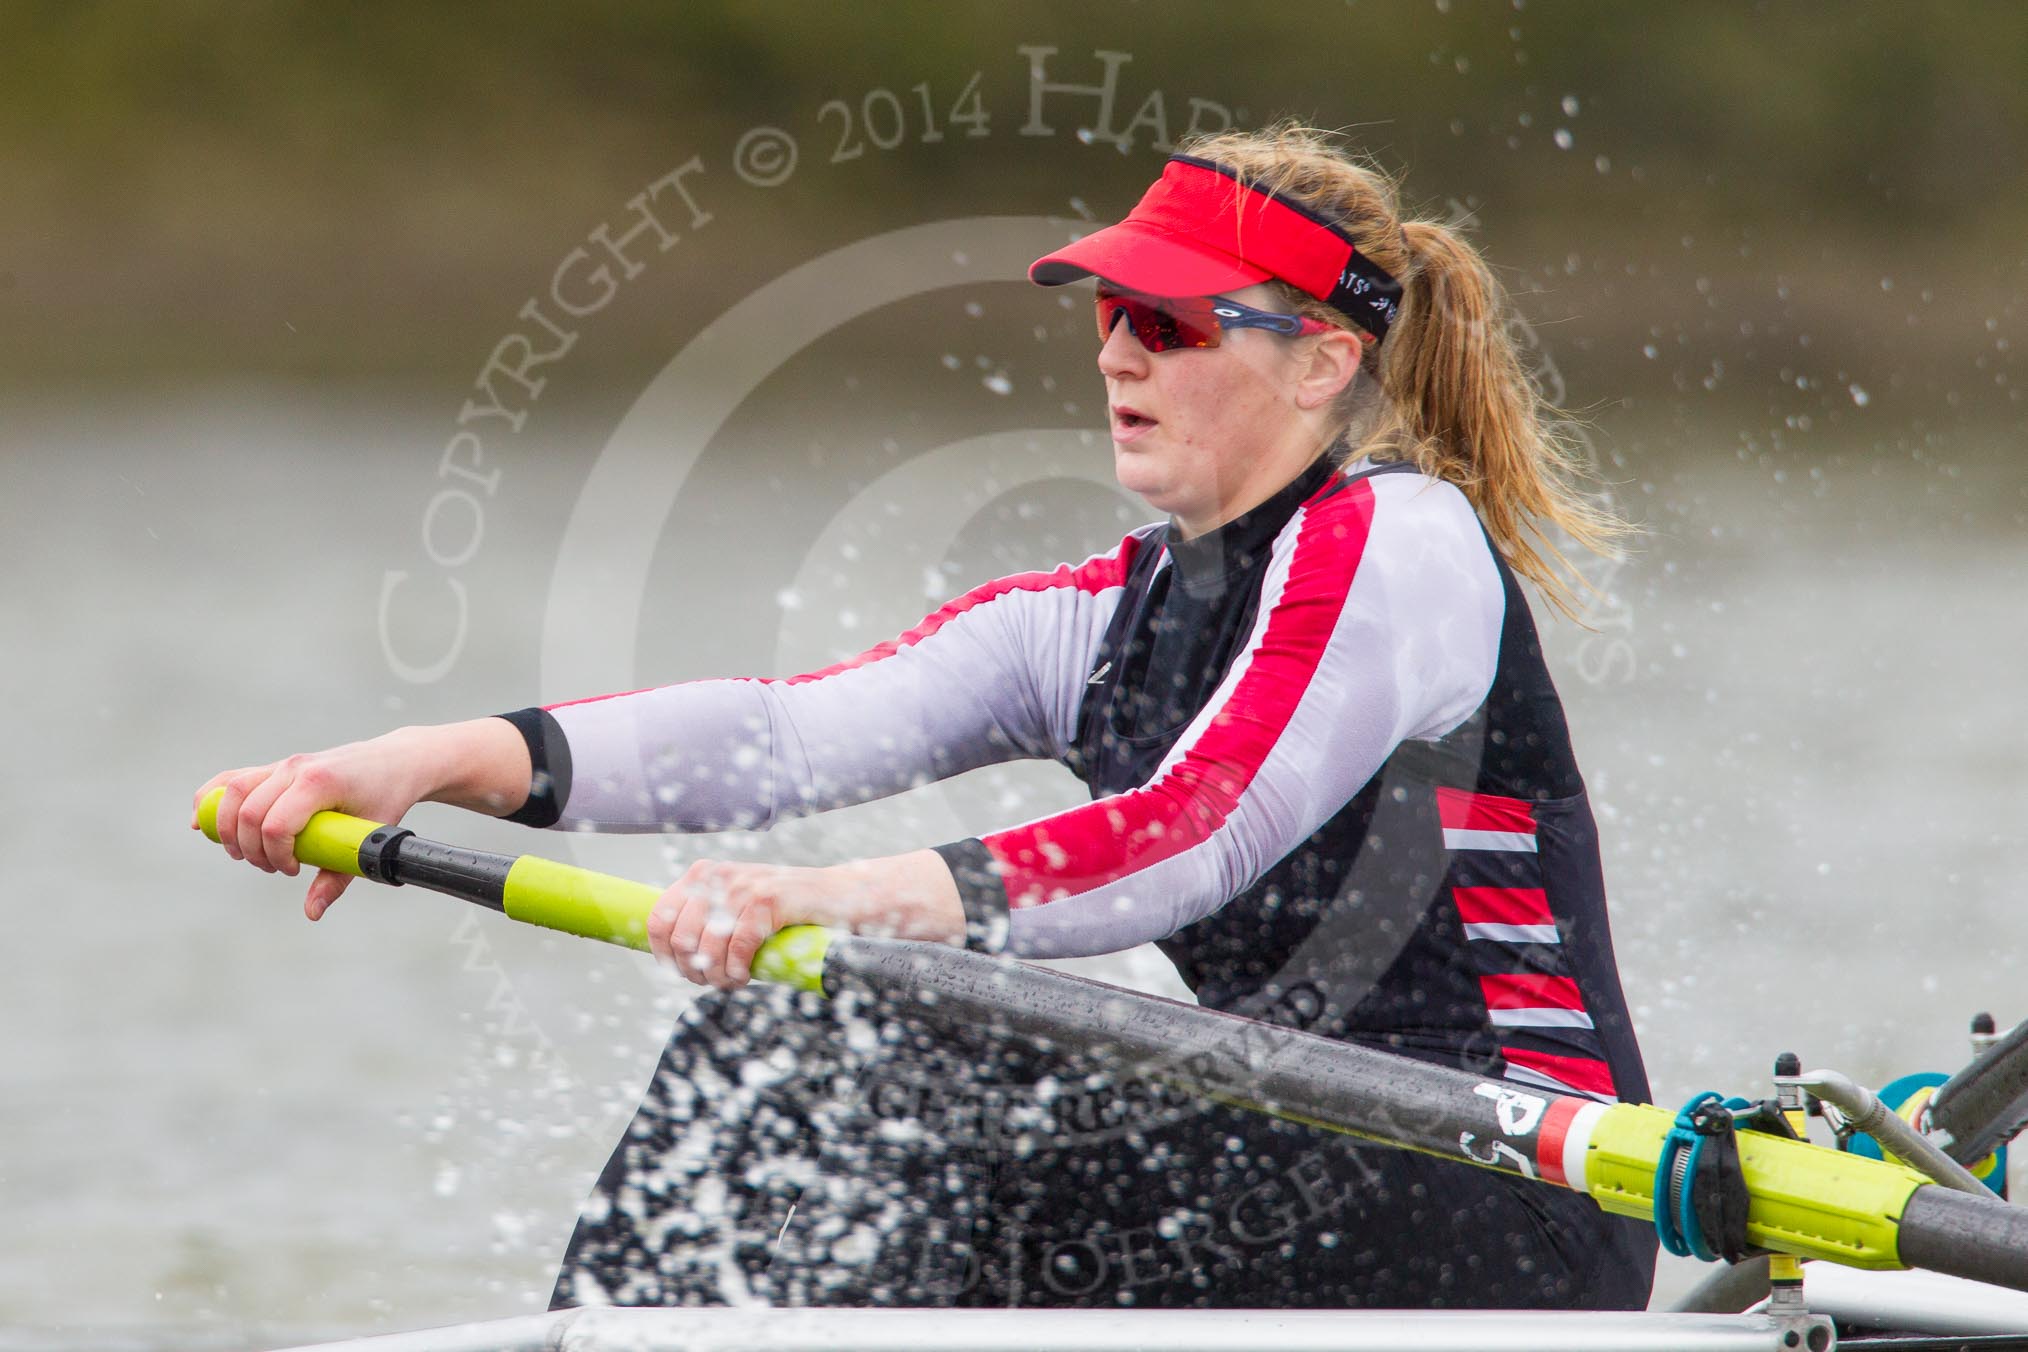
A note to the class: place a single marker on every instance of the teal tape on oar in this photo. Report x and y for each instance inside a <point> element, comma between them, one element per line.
<point>1680,1179</point>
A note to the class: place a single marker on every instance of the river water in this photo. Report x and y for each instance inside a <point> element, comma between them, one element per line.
<point>224,1127</point>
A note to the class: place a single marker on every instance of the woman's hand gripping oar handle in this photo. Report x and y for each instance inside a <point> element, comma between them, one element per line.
<point>532,890</point>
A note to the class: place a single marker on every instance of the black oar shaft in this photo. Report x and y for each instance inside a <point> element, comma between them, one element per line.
<point>1810,1201</point>
<point>1291,1074</point>
<point>1983,1239</point>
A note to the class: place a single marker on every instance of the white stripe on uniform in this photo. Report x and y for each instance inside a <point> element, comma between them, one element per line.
<point>1539,1018</point>
<point>1514,934</point>
<point>1489,840</point>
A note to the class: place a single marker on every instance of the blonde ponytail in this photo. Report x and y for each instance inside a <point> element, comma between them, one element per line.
<point>1457,400</point>
<point>1477,420</point>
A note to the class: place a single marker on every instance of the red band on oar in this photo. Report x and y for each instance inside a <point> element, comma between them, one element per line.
<point>1549,1139</point>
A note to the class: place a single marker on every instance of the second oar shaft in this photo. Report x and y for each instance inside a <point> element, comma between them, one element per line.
<point>1805,1200</point>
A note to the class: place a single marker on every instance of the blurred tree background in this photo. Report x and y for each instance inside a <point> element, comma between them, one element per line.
<point>1707,192</point>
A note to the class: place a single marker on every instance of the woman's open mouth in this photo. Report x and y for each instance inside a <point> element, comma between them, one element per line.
<point>1129,423</point>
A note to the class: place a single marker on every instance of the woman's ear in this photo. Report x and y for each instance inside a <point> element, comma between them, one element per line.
<point>1333,362</point>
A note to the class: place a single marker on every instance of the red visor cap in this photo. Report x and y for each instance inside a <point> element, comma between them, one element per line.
<point>1197,232</point>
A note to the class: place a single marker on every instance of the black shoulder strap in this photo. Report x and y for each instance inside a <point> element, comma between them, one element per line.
<point>1384,467</point>
<point>1105,672</point>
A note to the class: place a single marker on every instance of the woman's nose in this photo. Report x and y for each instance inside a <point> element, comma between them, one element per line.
<point>1122,354</point>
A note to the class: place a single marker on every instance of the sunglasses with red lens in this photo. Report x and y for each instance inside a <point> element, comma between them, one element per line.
<point>1165,323</point>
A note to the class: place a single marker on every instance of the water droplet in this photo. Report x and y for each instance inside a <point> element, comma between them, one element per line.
<point>1570,105</point>
<point>1564,140</point>
<point>1859,395</point>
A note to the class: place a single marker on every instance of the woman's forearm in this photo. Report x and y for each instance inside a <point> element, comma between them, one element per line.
<point>481,765</point>
<point>900,896</point>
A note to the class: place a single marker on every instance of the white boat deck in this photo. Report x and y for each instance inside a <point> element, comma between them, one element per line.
<point>1106,1331</point>
<point>1913,1302</point>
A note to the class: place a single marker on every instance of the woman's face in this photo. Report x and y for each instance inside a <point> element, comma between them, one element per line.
<point>1206,433</point>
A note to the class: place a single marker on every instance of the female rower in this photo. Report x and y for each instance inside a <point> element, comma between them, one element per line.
<point>1330,774</point>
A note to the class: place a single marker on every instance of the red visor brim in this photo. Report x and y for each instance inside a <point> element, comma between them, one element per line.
<point>1147,259</point>
<point>1200,231</point>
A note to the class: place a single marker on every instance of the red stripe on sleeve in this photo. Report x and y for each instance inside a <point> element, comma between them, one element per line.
<point>1094,575</point>
<point>1530,992</point>
<point>594,699</point>
<point>1585,1073</point>
<point>1090,846</point>
<point>1091,576</point>
<point>1461,811</point>
<point>1503,906</point>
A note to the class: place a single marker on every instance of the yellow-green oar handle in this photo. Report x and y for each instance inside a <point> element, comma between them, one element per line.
<point>331,840</point>
<point>527,888</point>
